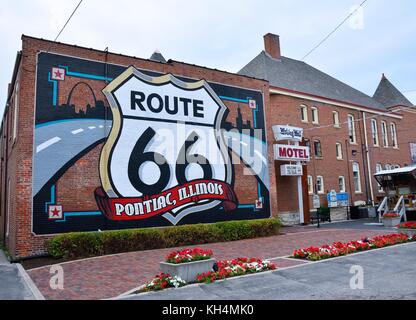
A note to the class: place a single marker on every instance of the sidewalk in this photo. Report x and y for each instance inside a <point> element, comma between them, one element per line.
<point>110,276</point>
<point>15,285</point>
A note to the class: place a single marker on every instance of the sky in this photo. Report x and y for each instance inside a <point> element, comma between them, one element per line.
<point>226,35</point>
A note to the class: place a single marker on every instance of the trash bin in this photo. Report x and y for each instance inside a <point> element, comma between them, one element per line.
<point>363,212</point>
<point>354,213</point>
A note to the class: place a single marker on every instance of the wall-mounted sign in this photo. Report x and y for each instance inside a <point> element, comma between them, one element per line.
<point>291,170</point>
<point>287,133</point>
<point>156,148</point>
<point>285,152</point>
<point>316,201</point>
<point>338,200</point>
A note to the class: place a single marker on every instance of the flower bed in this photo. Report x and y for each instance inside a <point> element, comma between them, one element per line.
<point>407,225</point>
<point>236,267</point>
<point>340,249</point>
<point>391,215</point>
<point>163,281</point>
<point>225,269</point>
<point>188,255</point>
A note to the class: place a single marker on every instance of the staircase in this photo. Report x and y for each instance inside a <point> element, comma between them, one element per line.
<point>399,208</point>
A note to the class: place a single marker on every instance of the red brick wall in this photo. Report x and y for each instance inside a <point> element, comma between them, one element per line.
<point>286,110</point>
<point>22,241</point>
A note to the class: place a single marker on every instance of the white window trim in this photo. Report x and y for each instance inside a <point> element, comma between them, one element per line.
<point>374,133</point>
<point>310,185</point>
<point>379,167</point>
<point>338,146</point>
<point>335,115</point>
<point>393,131</point>
<point>354,135</point>
<point>343,184</point>
<point>359,189</point>
<point>316,120</point>
<point>320,147</point>
<point>304,112</point>
<point>322,185</point>
<point>384,134</point>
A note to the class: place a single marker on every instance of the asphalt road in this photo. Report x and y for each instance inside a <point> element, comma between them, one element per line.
<point>388,274</point>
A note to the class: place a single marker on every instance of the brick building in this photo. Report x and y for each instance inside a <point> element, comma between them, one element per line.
<point>80,125</point>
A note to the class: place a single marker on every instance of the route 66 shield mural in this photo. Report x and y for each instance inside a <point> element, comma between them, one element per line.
<point>165,154</point>
<point>117,148</point>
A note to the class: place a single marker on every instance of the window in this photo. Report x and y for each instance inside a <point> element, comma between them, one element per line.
<point>357,177</point>
<point>320,184</point>
<point>379,168</point>
<point>335,118</point>
<point>338,149</point>
<point>341,183</point>
<point>317,148</point>
<point>16,110</point>
<point>374,132</point>
<point>351,129</point>
<point>384,136</point>
<point>388,166</point>
<point>308,144</point>
<point>310,185</point>
<point>304,113</point>
<point>315,117</point>
<point>393,135</point>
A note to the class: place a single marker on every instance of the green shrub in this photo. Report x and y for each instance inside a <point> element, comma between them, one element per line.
<point>89,244</point>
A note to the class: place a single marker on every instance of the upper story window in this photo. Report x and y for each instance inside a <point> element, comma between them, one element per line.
<point>338,149</point>
<point>393,135</point>
<point>341,183</point>
<point>304,113</point>
<point>357,177</point>
<point>310,185</point>
<point>335,118</point>
<point>315,116</point>
<point>379,168</point>
<point>317,148</point>
<point>374,132</point>
<point>384,136</point>
<point>320,184</point>
<point>351,129</point>
<point>308,144</point>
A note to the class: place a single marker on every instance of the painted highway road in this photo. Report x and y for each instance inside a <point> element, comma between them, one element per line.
<point>59,142</point>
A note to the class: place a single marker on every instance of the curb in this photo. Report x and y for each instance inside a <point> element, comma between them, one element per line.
<point>30,284</point>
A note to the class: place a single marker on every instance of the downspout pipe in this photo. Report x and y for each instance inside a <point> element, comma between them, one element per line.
<point>368,160</point>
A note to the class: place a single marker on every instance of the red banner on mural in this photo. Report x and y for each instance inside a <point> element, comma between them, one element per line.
<point>122,209</point>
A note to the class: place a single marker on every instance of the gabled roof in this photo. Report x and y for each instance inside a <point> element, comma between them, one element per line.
<point>298,76</point>
<point>389,95</point>
<point>157,56</point>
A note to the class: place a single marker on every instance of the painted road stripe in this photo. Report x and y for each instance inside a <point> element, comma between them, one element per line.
<point>77,131</point>
<point>101,126</point>
<point>91,128</point>
<point>47,144</point>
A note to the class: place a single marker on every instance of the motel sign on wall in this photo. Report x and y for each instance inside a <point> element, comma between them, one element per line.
<point>283,152</point>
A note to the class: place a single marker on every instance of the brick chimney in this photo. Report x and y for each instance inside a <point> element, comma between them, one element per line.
<point>272,45</point>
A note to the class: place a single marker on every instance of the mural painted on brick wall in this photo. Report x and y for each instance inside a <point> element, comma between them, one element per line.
<point>119,147</point>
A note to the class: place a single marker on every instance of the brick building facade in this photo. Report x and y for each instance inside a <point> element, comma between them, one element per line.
<point>57,87</point>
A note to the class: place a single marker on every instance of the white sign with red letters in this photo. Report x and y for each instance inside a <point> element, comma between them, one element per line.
<point>284,152</point>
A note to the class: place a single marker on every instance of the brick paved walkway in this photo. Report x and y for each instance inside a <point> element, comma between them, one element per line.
<point>110,276</point>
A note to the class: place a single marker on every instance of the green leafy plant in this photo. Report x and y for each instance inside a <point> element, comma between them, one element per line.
<point>89,244</point>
